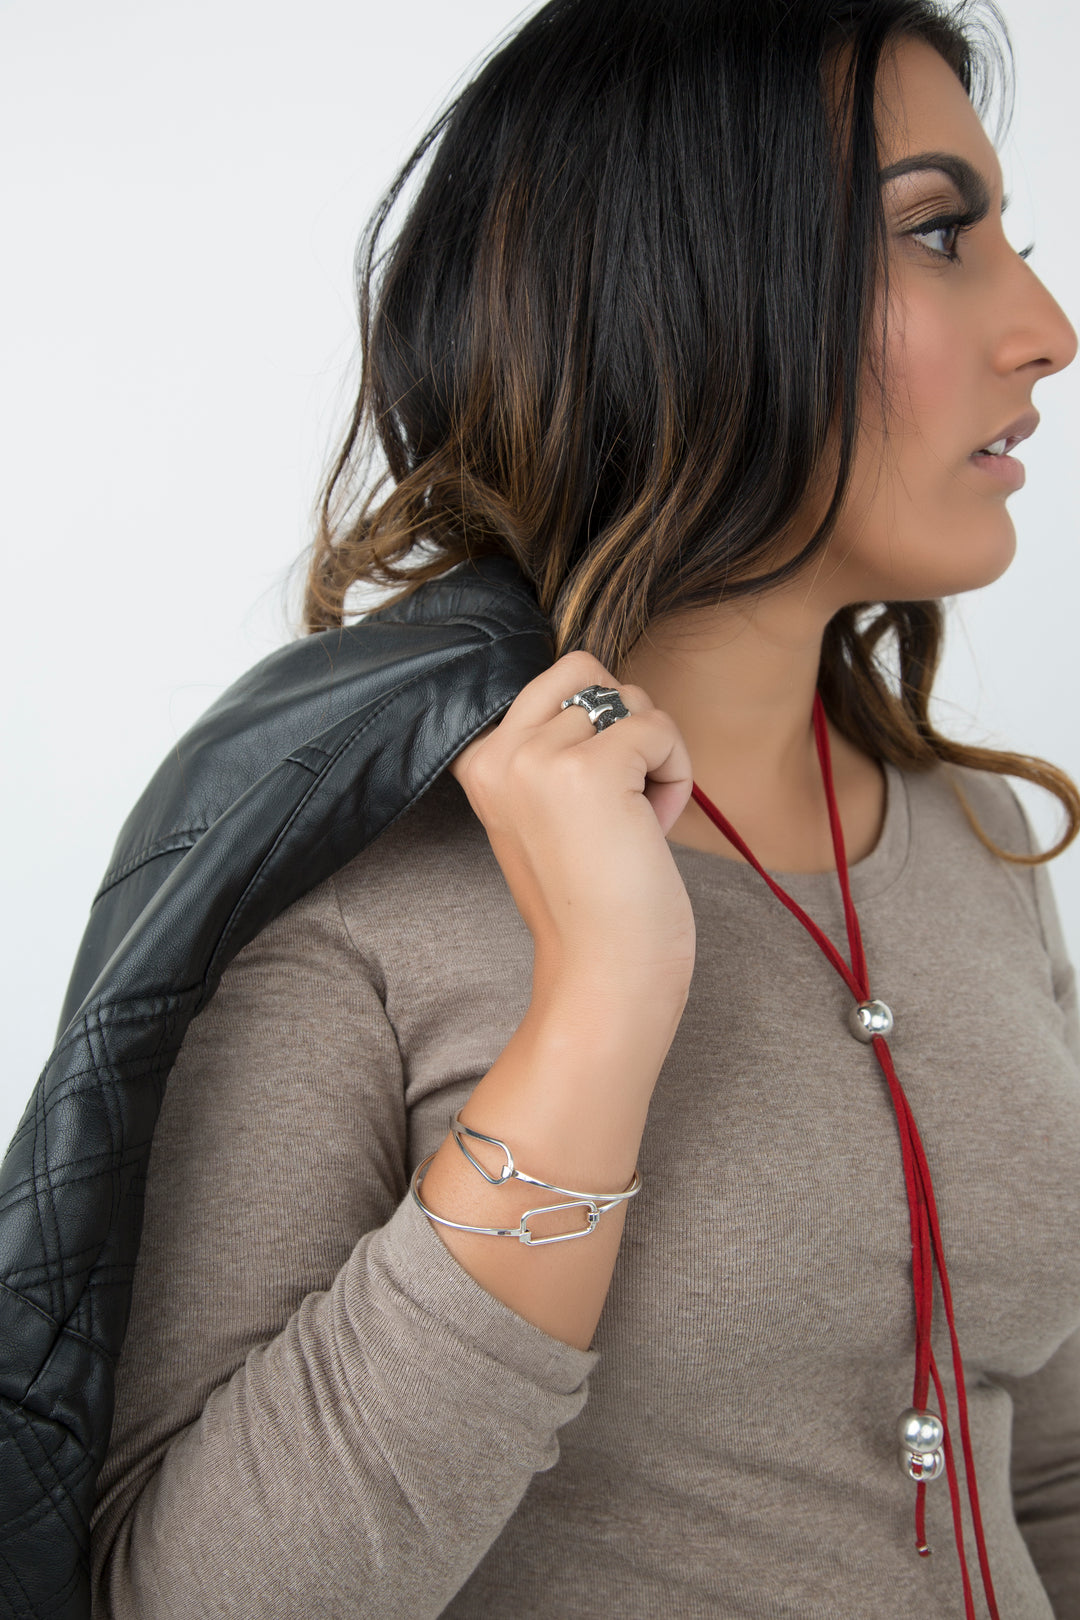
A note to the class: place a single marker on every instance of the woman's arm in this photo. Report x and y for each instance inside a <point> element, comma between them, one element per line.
<point>322,1406</point>
<point>1046,1405</point>
<point>318,1410</point>
<point>1046,1472</point>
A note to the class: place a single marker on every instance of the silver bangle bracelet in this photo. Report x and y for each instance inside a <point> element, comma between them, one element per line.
<point>509,1170</point>
<point>594,1208</point>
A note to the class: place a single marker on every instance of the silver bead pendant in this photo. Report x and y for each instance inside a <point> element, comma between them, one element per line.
<point>922,1466</point>
<point>920,1431</point>
<point>921,1435</point>
<point>869,1018</point>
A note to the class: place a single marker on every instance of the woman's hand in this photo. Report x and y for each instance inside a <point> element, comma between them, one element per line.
<point>577,820</point>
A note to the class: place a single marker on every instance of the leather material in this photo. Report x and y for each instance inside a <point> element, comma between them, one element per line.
<point>286,777</point>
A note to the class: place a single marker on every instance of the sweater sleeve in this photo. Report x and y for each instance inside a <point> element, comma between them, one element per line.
<point>319,1411</point>
<point>1046,1472</point>
<point>1064,973</point>
<point>1046,1405</point>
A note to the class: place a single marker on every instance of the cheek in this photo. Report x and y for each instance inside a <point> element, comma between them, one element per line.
<point>927,385</point>
<point>921,524</point>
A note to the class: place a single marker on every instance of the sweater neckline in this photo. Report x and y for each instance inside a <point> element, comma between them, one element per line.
<point>871,876</point>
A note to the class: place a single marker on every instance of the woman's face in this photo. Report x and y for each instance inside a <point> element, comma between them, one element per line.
<point>971,329</point>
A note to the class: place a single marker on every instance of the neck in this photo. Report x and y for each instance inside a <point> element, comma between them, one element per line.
<point>739,682</point>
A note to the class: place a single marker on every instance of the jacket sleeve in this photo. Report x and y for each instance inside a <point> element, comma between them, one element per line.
<point>319,1412</point>
<point>1046,1405</point>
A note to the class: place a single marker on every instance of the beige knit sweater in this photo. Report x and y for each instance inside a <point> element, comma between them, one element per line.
<point>320,1413</point>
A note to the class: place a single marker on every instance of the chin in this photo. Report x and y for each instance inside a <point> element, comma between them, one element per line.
<point>989,559</point>
<point>954,567</point>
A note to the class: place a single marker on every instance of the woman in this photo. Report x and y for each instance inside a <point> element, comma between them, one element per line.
<point>705,316</point>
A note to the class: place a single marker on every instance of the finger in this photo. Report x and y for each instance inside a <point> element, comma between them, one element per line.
<point>541,699</point>
<point>543,696</point>
<point>670,780</point>
<point>575,728</point>
<point>570,728</point>
<point>655,758</point>
<point>669,799</point>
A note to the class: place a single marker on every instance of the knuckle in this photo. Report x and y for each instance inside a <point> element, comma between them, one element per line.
<point>636,697</point>
<point>571,777</point>
<point>523,764</point>
<point>480,778</point>
<point>582,666</point>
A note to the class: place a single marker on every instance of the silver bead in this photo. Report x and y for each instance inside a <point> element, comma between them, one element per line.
<point>870,1018</point>
<point>922,1466</point>
<point>920,1431</point>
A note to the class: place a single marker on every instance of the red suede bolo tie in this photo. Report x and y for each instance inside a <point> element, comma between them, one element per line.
<point>926,1449</point>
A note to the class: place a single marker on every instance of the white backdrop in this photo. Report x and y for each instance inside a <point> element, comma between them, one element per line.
<point>182,188</point>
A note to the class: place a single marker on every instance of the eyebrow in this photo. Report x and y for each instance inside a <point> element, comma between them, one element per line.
<point>964,176</point>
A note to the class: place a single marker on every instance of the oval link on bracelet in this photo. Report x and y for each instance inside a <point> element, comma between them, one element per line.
<point>593,1206</point>
<point>510,1172</point>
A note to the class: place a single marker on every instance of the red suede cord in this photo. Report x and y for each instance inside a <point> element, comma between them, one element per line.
<point>927,1250</point>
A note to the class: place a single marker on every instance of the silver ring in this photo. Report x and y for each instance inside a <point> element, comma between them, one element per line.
<point>602,704</point>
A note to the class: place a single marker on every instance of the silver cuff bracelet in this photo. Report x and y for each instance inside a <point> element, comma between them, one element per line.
<point>594,1204</point>
<point>509,1170</point>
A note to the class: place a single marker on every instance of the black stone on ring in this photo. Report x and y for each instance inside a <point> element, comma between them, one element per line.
<point>602,704</point>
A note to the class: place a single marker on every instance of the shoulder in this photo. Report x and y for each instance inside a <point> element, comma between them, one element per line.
<point>430,869</point>
<point>434,860</point>
<point>426,907</point>
<point>947,804</point>
<point>995,804</point>
<point>437,838</point>
<point>948,798</point>
<point>956,812</point>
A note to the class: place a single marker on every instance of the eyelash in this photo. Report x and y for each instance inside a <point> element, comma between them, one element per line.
<point>960,224</point>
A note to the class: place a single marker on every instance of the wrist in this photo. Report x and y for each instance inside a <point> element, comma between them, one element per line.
<point>609,1038</point>
<point>636,1000</point>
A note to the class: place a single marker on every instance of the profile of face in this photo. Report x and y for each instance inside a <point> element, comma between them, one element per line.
<point>971,329</point>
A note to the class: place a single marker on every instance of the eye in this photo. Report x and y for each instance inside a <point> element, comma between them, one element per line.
<point>940,239</point>
<point>941,236</point>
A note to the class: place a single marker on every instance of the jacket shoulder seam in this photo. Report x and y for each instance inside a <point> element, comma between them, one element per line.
<point>483,623</point>
<point>179,838</point>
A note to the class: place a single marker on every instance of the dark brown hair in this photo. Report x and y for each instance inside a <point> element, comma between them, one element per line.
<point>626,310</point>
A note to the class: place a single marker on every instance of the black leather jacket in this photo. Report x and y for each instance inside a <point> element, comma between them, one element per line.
<point>285,778</point>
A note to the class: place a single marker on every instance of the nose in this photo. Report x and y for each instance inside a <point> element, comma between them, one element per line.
<point>1038,334</point>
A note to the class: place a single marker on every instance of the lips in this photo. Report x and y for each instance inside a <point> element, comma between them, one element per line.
<point>1014,432</point>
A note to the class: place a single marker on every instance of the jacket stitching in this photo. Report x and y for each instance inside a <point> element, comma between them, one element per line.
<point>64,1329</point>
<point>45,1270</point>
<point>179,838</point>
<point>92,1078</point>
<point>41,1509</point>
<point>31,1463</point>
<point>109,1012</point>
<point>68,1087</point>
<point>50,1472</point>
<point>104,1158</point>
<point>43,1198</point>
<point>110,1105</point>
